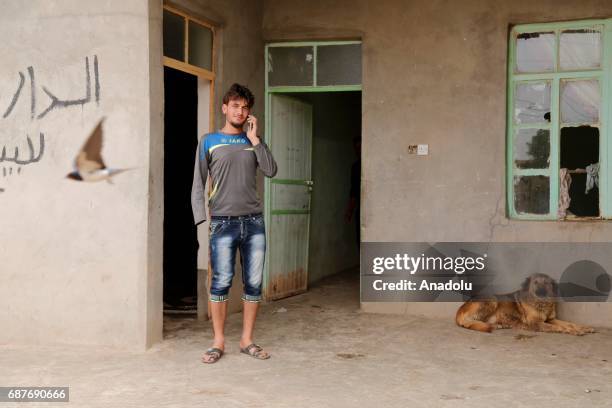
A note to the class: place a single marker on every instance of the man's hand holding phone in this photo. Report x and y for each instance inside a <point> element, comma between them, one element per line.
<point>251,132</point>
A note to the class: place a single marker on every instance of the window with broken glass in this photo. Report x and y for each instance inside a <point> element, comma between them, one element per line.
<point>557,120</point>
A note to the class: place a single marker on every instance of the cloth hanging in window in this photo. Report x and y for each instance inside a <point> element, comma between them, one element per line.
<point>592,179</point>
<point>564,197</point>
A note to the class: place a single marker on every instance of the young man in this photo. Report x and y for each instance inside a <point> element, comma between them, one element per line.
<point>232,156</point>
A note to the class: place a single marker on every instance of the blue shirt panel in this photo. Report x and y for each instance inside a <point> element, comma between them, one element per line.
<point>213,139</point>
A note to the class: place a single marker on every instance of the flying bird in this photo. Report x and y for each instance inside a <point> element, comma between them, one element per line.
<point>89,165</point>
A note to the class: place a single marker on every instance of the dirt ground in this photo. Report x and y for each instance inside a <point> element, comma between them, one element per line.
<point>325,352</point>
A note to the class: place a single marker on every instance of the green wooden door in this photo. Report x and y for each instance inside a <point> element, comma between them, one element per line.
<point>289,192</point>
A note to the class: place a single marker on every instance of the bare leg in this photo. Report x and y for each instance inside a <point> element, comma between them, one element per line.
<point>218,312</point>
<point>248,324</point>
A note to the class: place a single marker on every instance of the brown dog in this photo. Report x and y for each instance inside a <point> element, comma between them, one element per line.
<point>533,307</point>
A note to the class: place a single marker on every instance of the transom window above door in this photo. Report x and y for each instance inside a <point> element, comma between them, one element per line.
<point>189,43</point>
<point>323,65</point>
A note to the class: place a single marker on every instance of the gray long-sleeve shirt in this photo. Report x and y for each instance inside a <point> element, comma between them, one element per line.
<point>232,162</point>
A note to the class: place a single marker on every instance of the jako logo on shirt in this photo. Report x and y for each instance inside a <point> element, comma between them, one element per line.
<point>233,140</point>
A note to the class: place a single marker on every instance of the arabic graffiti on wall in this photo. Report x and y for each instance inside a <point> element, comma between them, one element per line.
<point>10,156</point>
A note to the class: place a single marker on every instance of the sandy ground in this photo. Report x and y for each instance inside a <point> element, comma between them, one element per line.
<point>325,352</point>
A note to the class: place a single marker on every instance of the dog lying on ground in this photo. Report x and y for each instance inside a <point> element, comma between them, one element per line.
<point>533,307</point>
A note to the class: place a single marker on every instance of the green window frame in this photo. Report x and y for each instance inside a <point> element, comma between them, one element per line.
<point>550,80</point>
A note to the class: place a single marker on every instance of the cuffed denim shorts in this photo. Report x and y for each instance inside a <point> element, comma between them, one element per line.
<point>245,233</point>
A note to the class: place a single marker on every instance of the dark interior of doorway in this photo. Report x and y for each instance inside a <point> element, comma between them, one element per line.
<point>336,172</point>
<point>180,233</point>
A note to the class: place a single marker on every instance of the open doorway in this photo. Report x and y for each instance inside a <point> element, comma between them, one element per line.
<point>180,233</point>
<point>336,174</point>
<point>314,202</point>
<point>313,127</point>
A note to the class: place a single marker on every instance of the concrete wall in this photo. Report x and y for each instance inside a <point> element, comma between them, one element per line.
<point>435,72</point>
<point>81,263</point>
<point>155,239</point>
<point>76,263</point>
<point>336,118</point>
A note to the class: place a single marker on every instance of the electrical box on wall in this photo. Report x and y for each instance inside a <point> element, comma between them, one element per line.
<point>420,150</point>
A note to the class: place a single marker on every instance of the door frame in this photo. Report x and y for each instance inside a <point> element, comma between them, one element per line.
<point>203,309</point>
<point>288,90</point>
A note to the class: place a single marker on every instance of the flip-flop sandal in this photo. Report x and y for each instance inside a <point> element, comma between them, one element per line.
<point>255,351</point>
<point>214,353</point>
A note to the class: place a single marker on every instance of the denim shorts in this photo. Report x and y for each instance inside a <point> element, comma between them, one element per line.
<point>245,233</point>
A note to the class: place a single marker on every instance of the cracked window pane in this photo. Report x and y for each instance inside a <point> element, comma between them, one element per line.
<point>580,101</point>
<point>535,52</point>
<point>580,49</point>
<point>532,103</point>
<point>531,194</point>
<point>532,148</point>
<point>174,36</point>
<point>290,66</point>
